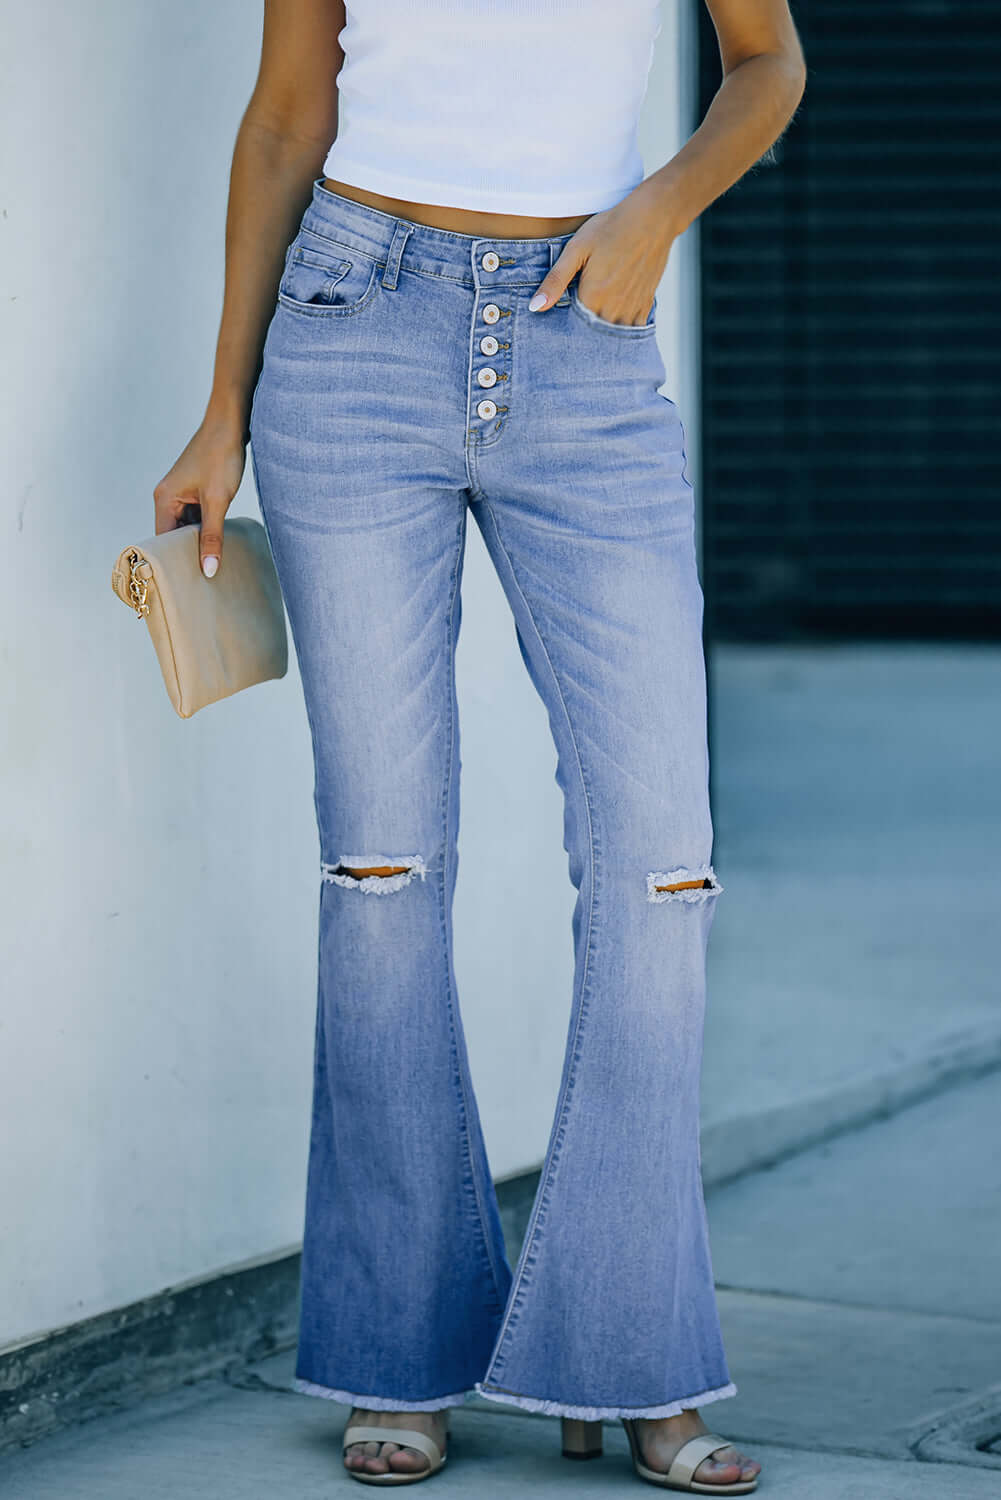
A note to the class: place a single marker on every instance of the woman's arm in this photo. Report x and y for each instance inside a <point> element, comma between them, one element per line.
<point>764,76</point>
<point>285,133</point>
<point>622,252</point>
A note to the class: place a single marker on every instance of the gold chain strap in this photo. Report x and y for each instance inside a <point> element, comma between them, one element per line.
<point>137,586</point>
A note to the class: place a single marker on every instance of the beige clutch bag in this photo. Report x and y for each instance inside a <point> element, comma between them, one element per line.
<point>213,636</point>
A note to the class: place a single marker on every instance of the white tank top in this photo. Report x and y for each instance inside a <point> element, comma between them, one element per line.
<point>510,106</point>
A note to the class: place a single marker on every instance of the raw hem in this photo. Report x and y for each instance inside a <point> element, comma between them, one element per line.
<point>600,1413</point>
<point>375,1403</point>
<point>496,200</point>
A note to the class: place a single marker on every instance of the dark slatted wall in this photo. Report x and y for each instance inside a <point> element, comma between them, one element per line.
<point>851,329</point>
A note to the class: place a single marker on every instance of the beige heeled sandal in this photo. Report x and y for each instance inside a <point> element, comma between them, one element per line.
<point>582,1440</point>
<point>407,1439</point>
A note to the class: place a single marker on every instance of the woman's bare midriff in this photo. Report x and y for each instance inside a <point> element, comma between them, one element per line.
<point>459,220</point>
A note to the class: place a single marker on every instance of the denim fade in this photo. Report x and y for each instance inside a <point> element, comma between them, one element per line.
<point>404,387</point>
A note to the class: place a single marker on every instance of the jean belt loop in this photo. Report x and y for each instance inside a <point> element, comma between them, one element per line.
<point>391,274</point>
<point>555,251</point>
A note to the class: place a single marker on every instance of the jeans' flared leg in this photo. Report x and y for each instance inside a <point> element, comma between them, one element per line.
<point>404,1277</point>
<point>575,475</point>
<point>588,515</point>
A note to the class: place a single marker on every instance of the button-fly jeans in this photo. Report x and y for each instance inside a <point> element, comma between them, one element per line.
<point>404,387</point>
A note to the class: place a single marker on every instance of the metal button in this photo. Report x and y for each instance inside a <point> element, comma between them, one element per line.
<point>491,313</point>
<point>488,344</point>
<point>486,410</point>
<point>487,376</point>
<point>490,261</point>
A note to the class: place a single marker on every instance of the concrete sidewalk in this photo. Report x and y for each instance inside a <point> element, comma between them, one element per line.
<point>855,952</point>
<point>218,1443</point>
<point>862,1315</point>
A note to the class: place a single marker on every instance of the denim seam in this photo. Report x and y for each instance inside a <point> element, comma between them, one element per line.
<point>617,330</point>
<point>292,626</point>
<point>318,260</point>
<point>355,250</point>
<point>522,1279</point>
<point>457,1072</point>
<point>334,309</point>
<point>468,442</point>
<point>318,1014</point>
<point>466,281</point>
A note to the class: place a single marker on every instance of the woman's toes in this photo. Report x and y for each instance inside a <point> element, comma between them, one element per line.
<point>749,1467</point>
<point>375,1458</point>
<point>384,1458</point>
<point>725,1466</point>
<point>386,1451</point>
<point>354,1456</point>
<point>407,1460</point>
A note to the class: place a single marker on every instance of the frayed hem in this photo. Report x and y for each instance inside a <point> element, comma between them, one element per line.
<point>376,885</point>
<point>375,1403</point>
<point>602,1413</point>
<point>674,877</point>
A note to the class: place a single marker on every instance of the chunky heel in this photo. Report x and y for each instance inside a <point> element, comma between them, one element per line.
<point>581,1439</point>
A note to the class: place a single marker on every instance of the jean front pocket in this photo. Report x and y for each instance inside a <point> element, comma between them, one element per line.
<point>621,330</point>
<point>325,279</point>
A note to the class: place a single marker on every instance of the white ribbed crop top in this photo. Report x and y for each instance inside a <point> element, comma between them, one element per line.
<point>510,106</point>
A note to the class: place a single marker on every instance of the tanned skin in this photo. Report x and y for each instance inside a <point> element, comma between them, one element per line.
<point>621,253</point>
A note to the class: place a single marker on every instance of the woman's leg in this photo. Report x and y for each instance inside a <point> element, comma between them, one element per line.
<point>588,515</point>
<point>404,1277</point>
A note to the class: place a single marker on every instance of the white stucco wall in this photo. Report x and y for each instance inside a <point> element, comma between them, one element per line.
<point>159,876</point>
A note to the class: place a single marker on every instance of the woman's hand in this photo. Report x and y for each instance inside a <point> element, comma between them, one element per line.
<point>621,254</point>
<point>201,486</point>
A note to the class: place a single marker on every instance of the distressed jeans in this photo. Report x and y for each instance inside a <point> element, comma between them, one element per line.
<point>404,388</point>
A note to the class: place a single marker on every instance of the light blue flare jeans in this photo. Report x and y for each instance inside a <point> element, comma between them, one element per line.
<point>404,387</point>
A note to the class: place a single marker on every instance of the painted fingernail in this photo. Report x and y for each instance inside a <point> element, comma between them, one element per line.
<point>210,566</point>
<point>539,300</point>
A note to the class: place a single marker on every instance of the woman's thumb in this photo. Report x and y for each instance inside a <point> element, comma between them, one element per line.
<point>561,273</point>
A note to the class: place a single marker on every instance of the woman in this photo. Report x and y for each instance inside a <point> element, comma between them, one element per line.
<point>466,256</point>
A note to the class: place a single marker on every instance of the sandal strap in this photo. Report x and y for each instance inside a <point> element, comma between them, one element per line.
<point>692,1453</point>
<point>402,1435</point>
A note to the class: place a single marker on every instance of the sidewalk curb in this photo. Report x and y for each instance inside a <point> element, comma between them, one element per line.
<point>750,1142</point>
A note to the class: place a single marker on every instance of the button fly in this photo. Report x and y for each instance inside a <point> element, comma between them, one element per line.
<point>490,261</point>
<point>496,368</point>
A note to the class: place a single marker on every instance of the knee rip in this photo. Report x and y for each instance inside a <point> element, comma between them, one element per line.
<point>683,885</point>
<point>376,874</point>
